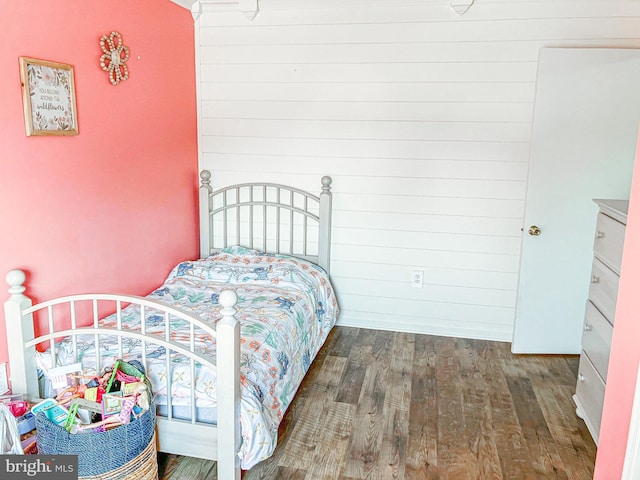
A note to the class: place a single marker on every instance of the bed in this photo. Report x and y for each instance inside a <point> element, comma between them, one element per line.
<point>225,340</point>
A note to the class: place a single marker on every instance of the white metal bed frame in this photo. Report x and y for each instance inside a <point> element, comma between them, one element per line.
<point>219,442</point>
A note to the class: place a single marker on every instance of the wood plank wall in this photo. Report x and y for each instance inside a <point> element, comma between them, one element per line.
<point>422,117</point>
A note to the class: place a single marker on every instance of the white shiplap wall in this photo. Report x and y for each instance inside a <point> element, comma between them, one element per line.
<point>423,120</point>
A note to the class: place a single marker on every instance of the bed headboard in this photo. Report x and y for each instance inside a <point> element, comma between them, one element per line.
<point>267,216</point>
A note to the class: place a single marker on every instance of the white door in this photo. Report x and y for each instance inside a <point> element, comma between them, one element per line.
<point>586,117</point>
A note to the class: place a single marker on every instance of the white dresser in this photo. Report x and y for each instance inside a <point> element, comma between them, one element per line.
<point>600,312</point>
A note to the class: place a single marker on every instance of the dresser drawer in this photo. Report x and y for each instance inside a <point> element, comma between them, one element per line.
<point>609,241</point>
<point>590,395</point>
<point>596,339</point>
<point>603,291</point>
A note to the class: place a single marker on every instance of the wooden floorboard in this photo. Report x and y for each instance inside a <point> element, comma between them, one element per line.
<point>384,405</point>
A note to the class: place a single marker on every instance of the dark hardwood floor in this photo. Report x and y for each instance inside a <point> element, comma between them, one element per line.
<point>384,405</point>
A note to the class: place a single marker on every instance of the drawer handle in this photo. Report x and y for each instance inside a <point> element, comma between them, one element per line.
<point>581,377</point>
<point>599,234</point>
<point>595,279</point>
<point>587,327</point>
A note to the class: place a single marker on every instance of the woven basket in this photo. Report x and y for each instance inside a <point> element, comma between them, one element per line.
<point>142,467</point>
<point>99,453</point>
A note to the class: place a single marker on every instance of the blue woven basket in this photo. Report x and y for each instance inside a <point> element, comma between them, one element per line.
<point>98,453</point>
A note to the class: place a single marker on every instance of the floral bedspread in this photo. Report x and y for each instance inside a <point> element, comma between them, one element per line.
<point>286,307</point>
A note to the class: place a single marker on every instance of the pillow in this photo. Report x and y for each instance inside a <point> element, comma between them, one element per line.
<point>238,250</point>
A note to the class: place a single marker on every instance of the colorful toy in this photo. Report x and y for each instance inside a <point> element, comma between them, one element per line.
<point>52,410</point>
<point>123,417</point>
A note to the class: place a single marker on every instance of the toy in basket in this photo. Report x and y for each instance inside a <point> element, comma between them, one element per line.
<point>109,422</point>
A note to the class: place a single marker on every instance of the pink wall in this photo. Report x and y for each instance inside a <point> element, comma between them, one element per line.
<point>115,207</point>
<point>625,351</point>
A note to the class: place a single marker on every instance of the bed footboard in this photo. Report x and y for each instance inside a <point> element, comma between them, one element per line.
<point>174,436</point>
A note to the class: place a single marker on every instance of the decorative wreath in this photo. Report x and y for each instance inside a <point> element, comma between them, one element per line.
<point>115,56</point>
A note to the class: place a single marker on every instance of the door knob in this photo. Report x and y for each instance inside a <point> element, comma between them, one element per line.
<point>533,230</point>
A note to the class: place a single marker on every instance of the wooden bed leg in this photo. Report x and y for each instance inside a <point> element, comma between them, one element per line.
<point>228,388</point>
<point>24,377</point>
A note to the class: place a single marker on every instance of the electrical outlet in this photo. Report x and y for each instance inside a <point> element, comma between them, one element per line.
<point>4,381</point>
<point>417,278</point>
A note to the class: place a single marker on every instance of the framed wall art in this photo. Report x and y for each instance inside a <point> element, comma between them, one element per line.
<point>49,97</point>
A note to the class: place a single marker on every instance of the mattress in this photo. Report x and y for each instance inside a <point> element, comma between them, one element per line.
<point>286,307</point>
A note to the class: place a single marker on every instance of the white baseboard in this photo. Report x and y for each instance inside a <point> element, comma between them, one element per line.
<point>499,333</point>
